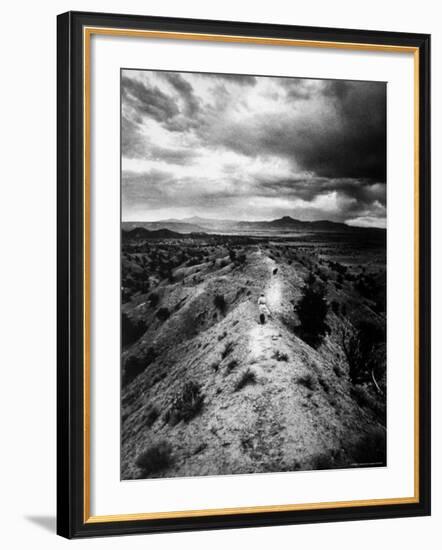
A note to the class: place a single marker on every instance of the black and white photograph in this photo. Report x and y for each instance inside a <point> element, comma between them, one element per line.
<point>253,274</point>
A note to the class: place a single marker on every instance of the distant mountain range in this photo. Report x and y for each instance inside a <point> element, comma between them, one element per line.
<point>196,224</point>
<point>142,233</point>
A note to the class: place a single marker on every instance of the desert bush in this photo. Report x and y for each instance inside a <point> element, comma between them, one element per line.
<point>156,458</point>
<point>163,314</point>
<point>279,356</point>
<point>232,255</point>
<point>187,403</point>
<point>151,415</point>
<point>136,364</point>
<point>307,380</point>
<point>337,370</point>
<point>362,349</point>
<point>335,307</point>
<point>222,336</point>
<point>246,378</point>
<point>131,329</point>
<point>220,302</point>
<point>242,259</point>
<point>312,311</point>
<point>232,365</point>
<point>339,268</point>
<point>227,350</point>
<point>126,294</point>
<point>215,366</point>
<point>154,299</point>
<point>324,384</point>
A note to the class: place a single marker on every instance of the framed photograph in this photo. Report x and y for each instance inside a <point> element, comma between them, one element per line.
<point>243,274</point>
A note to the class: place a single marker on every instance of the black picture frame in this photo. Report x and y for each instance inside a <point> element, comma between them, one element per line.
<point>72,520</point>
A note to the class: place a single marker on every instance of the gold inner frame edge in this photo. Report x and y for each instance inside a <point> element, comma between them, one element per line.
<point>87,33</point>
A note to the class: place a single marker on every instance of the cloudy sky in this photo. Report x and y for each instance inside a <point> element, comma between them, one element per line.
<point>252,148</point>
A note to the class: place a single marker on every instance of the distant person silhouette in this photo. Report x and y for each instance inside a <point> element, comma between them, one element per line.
<point>263,309</point>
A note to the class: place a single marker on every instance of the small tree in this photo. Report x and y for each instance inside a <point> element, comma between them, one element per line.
<point>312,310</point>
<point>163,314</point>
<point>220,303</point>
<point>361,347</point>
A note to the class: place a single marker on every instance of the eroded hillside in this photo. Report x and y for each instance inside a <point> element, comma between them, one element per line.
<point>207,390</point>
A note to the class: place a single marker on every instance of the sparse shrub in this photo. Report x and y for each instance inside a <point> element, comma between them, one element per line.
<point>215,366</point>
<point>220,302</point>
<point>362,347</point>
<point>232,255</point>
<point>275,271</point>
<point>151,414</point>
<point>324,384</point>
<point>156,458</point>
<point>222,336</point>
<point>337,370</point>
<point>335,307</point>
<point>187,403</point>
<point>307,380</point>
<point>312,311</point>
<point>227,350</point>
<point>154,299</point>
<point>136,364</point>
<point>242,259</point>
<point>246,378</point>
<point>131,329</point>
<point>232,365</point>
<point>280,356</point>
<point>163,314</point>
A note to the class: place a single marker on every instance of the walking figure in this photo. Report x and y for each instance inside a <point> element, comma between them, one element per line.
<point>263,309</point>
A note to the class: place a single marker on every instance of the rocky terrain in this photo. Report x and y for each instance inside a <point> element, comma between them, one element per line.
<point>207,390</point>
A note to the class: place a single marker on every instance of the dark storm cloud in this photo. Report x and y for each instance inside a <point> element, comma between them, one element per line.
<point>347,141</point>
<point>148,100</point>
<point>291,146</point>
<point>297,88</point>
<point>185,90</point>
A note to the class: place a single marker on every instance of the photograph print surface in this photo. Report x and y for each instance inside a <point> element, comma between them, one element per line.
<point>253,274</point>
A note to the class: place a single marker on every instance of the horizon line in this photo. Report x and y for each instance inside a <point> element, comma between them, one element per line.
<point>187,218</point>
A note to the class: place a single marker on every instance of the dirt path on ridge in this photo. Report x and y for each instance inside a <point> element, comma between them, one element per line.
<point>262,338</point>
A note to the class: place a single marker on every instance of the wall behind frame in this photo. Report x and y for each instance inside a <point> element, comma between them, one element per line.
<point>27,403</point>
